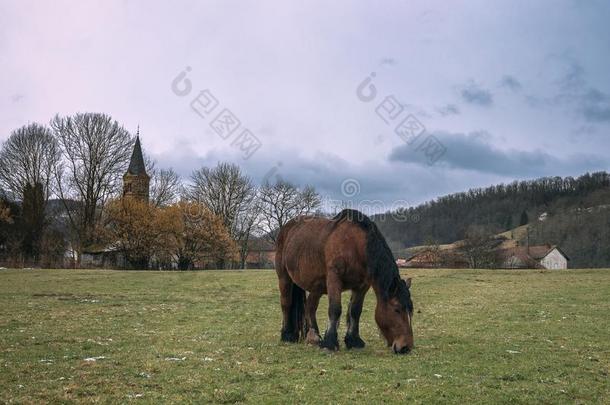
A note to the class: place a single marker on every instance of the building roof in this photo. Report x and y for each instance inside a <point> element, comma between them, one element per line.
<point>534,252</point>
<point>261,245</point>
<point>136,165</point>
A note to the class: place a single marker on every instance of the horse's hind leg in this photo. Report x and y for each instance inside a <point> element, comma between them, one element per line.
<point>354,310</point>
<point>333,286</point>
<point>311,306</point>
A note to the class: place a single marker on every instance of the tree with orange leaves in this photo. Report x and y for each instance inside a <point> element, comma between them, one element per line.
<point>203,238</point>
<point>139,230</point>
<point>185,235</point>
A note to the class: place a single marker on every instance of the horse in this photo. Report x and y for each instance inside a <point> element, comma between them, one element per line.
<point>329,256</point>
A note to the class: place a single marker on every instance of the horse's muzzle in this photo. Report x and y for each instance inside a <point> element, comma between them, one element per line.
<point>403,350</point>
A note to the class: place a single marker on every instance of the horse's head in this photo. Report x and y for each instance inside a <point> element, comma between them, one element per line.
<point>394,316</point>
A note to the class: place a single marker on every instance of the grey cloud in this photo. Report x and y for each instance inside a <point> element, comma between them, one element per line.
<point>388,62</point>
<point>595,106</point>
<point>449,109</point>
<point>573,76</point>
<point>388,184</point>
<point>472,93</point>
<point>510,83</point>
<point>475,152</point>
<point>575,93</point>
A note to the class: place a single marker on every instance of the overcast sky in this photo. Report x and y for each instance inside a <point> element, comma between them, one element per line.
<point>489,92</point>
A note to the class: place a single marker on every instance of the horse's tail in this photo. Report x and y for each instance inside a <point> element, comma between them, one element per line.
<point>297,312</point>
<point>294,329</point>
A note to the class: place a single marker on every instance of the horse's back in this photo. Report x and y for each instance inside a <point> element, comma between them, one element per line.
<point>300,250</point>
<point>308,247</point>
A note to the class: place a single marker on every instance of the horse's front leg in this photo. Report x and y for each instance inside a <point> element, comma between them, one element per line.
<point>311,306</point>
<point>354,310</point>
<point>334,287</point>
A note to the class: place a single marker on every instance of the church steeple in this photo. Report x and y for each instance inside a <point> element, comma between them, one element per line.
<point>136,165</point>
<point>136,181</point>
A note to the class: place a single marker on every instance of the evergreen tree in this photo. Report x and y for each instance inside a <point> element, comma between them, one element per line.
<point>33,220</point>
<point>524,218</point>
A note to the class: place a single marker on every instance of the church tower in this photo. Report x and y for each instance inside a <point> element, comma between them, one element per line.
<point>136,181</point>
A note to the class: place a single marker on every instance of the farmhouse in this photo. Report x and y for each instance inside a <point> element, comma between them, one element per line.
<point>540,257</point>
<point>435,258</point>
<point>261,254</point>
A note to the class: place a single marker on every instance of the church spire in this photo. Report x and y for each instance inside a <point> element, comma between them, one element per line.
<point>136,165</point>
<point>136,181</point>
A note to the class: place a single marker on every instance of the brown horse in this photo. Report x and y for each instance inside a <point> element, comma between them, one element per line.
<point>328,256</point>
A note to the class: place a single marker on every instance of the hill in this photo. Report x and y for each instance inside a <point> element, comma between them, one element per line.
<point>569,212</point>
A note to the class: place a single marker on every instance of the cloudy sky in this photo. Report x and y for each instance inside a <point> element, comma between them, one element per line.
<point>395,100</point>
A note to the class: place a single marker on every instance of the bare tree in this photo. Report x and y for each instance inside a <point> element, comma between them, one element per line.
<point>165,184</point>
<point>224,190</point>
<point>96,151</point>
<point>480,247</point>
<point>247,224</point>
<point>283,201</point>
<point>28,157</point>
<point>165,187</point>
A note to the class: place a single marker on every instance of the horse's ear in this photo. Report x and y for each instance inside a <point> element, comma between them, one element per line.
<point>408,282</point>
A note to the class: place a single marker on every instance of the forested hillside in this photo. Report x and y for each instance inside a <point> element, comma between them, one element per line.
<point>576,217</point>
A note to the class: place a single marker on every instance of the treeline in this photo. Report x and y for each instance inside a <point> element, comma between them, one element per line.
<point>61,188</point>
<point>503,207</point>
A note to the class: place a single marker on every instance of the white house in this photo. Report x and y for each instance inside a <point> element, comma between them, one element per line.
<point>544,256</point>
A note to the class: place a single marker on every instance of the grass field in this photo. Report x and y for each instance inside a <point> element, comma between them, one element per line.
<point>481,336</point>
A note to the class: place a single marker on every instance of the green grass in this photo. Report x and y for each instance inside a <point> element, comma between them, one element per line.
<point>481,336</point>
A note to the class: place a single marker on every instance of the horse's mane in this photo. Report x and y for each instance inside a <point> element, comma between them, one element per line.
<point>381,265</point>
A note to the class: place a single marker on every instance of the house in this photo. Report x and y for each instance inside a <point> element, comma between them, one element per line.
<point>534,257</point>
<point>435,258</point>
<point>103,256</point>
<point>426,259</point>
<point>261,254</point>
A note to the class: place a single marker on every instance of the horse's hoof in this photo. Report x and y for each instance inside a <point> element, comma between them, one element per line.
<point>354,342</point>
<point>290,337</point>
<point>312,338</point>
<point>333,347</point>
<point>330,344</point>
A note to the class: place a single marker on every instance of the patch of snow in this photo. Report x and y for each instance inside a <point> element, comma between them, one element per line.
<point>175,358</point>
<point>90,359</point>
<point>438,376</point>
<point>513,351</point>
